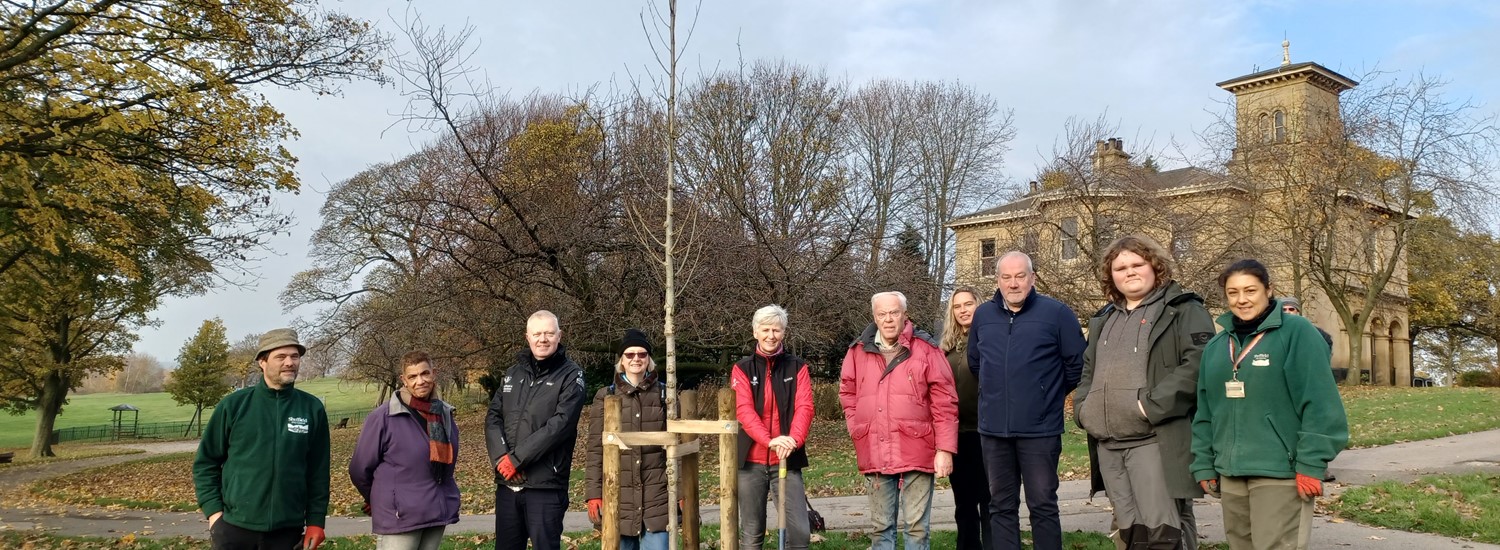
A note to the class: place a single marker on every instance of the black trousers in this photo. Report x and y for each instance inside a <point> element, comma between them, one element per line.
<point>227,536</point>
<point>971,495</point>
<point>1012,462</point>
<point>535,514</point>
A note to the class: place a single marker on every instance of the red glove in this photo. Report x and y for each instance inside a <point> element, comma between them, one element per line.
<point>313,537</point>
<point>596,510</point>
<point>506,468</point>
<point>1309,487</point>
<point>1210,486</point>
<point>365,508</point>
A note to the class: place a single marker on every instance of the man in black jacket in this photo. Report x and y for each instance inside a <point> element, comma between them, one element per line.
<point>530,430</point>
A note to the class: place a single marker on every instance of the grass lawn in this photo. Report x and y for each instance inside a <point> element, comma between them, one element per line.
<point>941,540</point>
<point>165,482</point>
<point>1381,416</point>
<point>16,431</point>
<point>1461,506</point>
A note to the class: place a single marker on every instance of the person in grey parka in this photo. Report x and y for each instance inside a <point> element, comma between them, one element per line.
<point>1138,393</point>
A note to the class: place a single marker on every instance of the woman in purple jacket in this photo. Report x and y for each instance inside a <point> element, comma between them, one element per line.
<point>403,462</point>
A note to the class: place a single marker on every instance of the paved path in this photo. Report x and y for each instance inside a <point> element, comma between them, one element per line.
<point>1406,461</point>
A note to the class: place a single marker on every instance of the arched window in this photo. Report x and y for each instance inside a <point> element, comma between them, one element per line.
<point>1264,126</point>
<point>1280,127</point>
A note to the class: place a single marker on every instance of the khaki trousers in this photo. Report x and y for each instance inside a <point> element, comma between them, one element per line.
<point>1262,513</point>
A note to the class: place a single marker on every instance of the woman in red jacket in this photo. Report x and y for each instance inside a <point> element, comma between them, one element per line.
<point>774,405</point>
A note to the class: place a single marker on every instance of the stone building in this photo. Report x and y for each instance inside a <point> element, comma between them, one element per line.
<point>1256,206</point>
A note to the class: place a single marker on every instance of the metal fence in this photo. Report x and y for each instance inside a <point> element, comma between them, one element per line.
<point>176,430</point>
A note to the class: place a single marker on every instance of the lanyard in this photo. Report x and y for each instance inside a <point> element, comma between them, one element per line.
<point>1235,361</point>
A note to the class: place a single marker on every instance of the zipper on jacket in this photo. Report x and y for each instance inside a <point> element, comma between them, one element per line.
<point>1290,460</point>
<point>772,407</point>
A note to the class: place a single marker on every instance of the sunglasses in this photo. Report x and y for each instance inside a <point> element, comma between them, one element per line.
<point>636,355</point>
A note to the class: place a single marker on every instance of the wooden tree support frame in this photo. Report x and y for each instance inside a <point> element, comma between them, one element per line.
<point>681,443</point>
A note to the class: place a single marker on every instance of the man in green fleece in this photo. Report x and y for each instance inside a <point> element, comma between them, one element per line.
<point>262,469</point>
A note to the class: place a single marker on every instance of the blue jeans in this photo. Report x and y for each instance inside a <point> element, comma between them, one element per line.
<point>915,495</point>
<point>430,538</point>
<point>1010,463</point>
<point>649,540</point>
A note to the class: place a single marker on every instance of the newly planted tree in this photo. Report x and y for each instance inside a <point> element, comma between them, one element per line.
<point>202,367</point>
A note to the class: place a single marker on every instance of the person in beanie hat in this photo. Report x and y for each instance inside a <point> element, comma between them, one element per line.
<point>1290,304</point>
<point>643,470</point>
<point>261,473</point>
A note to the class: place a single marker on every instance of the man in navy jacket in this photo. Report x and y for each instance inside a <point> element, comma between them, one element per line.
<point>1027,350</point>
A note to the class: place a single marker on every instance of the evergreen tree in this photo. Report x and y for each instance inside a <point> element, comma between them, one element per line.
<point>201,368</point>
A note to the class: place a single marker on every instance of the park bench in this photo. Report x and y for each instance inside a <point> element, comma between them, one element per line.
<point>5,458</point>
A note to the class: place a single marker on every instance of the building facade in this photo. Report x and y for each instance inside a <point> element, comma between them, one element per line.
<point>1278,199</point>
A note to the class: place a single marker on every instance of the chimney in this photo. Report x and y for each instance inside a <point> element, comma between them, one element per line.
<point>1034,188</point>
<point>1110,155</point>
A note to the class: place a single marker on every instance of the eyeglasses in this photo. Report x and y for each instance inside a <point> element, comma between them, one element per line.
<point>636,355</point>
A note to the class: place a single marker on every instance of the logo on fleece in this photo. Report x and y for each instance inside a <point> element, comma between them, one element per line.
<point>296,425</point>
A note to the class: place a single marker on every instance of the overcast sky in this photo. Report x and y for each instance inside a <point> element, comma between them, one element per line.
<point>1150,65</point>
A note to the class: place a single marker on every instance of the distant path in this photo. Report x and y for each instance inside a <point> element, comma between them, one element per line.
<point>17,477</point>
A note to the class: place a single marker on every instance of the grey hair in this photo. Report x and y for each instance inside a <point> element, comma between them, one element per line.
<point>1030,267</point>
<point>768,315</point>
<point>544,314</point>
<point>899,297</point>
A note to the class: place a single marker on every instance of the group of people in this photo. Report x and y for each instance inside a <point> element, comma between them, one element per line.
<point>1173,409</point>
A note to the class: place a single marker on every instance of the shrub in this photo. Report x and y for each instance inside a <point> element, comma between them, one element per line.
<point>826,404</point>
<point>1479,378</point>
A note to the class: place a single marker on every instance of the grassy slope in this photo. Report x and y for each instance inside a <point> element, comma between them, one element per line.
<point>16,431</point>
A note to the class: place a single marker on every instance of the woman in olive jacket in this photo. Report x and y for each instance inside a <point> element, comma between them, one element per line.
<point>643,470</point>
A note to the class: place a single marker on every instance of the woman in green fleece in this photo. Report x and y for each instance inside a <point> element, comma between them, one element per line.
<point>1269,416</point>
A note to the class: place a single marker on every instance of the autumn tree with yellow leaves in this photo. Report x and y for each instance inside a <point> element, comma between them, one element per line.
<point>137,159</point>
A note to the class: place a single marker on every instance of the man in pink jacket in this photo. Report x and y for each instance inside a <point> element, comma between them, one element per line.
<point>902,410</point>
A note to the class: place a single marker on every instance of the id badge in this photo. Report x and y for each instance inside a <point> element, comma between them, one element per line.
<point>1234,389</point>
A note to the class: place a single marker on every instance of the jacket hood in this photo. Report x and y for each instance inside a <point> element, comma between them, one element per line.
<point>908,333</point>
<point>648,381</point>
<point>400,396</point>
<point>1172,294</point>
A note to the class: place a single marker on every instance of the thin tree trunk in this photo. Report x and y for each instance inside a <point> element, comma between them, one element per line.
<point>669,329</point>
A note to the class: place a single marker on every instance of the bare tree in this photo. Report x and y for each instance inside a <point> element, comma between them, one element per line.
<point>881,130</point>
<point>958,147</point>
<point>1347,191</point>
<point>143,373</point>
